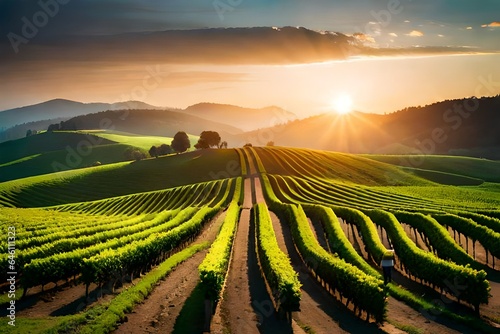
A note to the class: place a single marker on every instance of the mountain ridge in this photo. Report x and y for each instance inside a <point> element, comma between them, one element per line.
<point>57,108</point>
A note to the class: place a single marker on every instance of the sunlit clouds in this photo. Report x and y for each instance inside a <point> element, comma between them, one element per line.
<point>415,33</point>
<point>494,24</point>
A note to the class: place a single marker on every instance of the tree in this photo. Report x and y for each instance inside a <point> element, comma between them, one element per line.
<point>54,127</point>
<point>201,144</point>
<point>208,139</point>
<point>138,155</point>
<point>181,142</point>
<point>153,152</point>
<point>133,153</point>
<point>248,145</point>
<point>164,149</point>
<point>223,144</point>
<point>270,143</point>
<point>29,133</point>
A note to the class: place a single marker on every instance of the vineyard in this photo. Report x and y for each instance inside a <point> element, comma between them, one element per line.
<point>250,240</point>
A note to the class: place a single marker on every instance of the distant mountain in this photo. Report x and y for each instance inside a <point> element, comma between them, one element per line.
<point>246,119</point>
<point>149,122</point>
<point>60,108</point>
<point>40,116</point>
<point>458,127</point>
<point>19,131</point>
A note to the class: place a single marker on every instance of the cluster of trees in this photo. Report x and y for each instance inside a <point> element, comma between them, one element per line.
<point>134,153</point>
<point>31,132</point>
<point>156,151</point>
<point>179,144</point>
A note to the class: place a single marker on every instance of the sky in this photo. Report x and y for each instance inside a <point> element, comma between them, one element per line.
<point>383,54</point>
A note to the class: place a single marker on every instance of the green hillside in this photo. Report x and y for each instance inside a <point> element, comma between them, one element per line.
<point>46,142</point>
<point>51,152</point>
<point>444,178</point>
<point>335,166</point>
<point>120,179</point>
<point>140,141</point>
<point>349,172</point>
<point>484,169</point>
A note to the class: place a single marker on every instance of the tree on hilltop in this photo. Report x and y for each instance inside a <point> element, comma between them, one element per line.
<point>134,153</point>
<point>164,149</point>
<point>208,139</point>
<point>153,152</point>
<point>181,142</point>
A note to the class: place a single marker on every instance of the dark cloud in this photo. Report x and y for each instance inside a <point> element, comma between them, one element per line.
<point>288,45</point>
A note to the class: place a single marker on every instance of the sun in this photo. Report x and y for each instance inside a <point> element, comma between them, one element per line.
<point>342,104</point>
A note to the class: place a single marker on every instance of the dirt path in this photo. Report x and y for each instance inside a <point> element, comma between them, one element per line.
<point>236,307</point>
<point>160,311</point>
<point>246,306</point>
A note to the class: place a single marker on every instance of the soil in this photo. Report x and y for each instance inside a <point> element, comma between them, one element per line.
<point>160,311</point>
<point>246,306</point>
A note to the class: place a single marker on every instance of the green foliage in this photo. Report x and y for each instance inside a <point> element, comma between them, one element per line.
<point>481,219</point>
<point>472,167</point>
<point>487,237</point>
<point>367,228</point>
<point>60,266</point>
<point>143,253</point>
<point>337,239</point>
<point>321,165</point>
<point>365,291</point>
<point>123,303</point>
<point>469,284</point>
<point>119,179</point>
<point>181,142</point>
<point>208,139</point>
<point>439,238</point>
<point>444,178</point>
<point>275,264</point>
<point>214,267</point>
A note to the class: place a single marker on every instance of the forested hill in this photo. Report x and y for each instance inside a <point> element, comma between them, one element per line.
<point>148,122</point>
<point>461,127</point>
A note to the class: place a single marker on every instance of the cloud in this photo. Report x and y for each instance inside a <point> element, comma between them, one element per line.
<point>415,33</point>
<point>440,35</point>
<point>423,51</point>
<point>364,38</point>
<point>393,34</point>
<point>469,28</point>
<point>231,46</point>
<point>188,78</point>
<point>262,45</point>
<point>494,24</point>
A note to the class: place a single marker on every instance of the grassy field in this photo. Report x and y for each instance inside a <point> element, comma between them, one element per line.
<point>51,152</point>
<point>487,170</point>
<point>143,142</point>
<point>120,179</point>
<point>334,166</point>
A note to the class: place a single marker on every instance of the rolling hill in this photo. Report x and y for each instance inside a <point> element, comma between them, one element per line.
<point>120,179</point>
<point>50,152</point>
<point>15,123</point>
<point>148,122</point>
